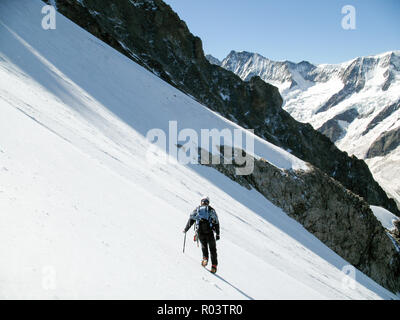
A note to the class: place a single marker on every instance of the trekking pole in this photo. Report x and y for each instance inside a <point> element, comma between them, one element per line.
<point>196,235</point>
<point>184,243</point>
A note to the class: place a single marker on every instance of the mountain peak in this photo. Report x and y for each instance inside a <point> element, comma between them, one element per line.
<point>213,60</point>
<point>363,90</point>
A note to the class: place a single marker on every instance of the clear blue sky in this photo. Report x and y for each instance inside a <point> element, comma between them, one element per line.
<point>292,30</point>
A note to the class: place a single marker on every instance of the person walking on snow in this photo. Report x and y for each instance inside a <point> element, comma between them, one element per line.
<point>206,223</point>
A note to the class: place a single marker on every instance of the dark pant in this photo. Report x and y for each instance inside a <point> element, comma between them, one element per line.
<point>207,240</point>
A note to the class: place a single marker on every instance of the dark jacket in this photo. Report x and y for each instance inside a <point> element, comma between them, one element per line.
<point>204,226</point>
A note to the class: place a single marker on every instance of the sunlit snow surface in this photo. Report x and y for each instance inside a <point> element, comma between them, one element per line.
<point>85,214</point>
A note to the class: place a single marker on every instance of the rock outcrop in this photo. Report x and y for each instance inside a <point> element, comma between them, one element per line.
<point>384,144</point>
<point>333,128</point>
<point>339,218</point>
<point>385,113</point>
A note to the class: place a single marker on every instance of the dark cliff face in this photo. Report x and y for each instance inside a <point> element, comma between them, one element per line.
<point>384,144</point>
<point>151,33</point>
<point>332,128</point>
<point>385,113</point>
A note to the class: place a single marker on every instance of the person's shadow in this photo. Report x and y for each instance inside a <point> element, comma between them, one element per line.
<point>237,289</point>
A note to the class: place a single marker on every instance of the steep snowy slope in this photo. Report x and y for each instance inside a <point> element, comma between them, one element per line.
<point>356,103</point>
<point>87,213</point>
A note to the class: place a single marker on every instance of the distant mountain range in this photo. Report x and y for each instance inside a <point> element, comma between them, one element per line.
<point>356,103</point>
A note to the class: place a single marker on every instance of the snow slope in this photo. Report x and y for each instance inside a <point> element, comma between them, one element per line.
<point>386,218</point>
<point>86,214</point>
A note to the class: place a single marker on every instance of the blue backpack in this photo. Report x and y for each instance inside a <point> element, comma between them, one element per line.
<point>204,214</point>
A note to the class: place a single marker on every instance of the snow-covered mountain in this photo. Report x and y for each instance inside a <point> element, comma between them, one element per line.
<point>355,103</point>
<point>87,212</point>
